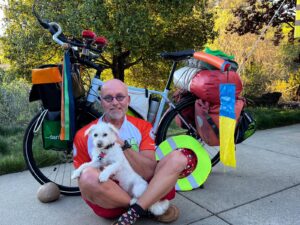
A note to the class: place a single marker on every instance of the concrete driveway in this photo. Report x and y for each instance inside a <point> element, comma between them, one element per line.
<point>264,189</point>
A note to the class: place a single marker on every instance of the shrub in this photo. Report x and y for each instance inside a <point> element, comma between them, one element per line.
<point>14,105</point>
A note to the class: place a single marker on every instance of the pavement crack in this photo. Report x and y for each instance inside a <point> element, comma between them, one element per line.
<point>260,198</point>
<point>246,203</point>
<point>212,213</point>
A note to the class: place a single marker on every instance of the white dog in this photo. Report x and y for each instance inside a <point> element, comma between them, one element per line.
<point>107,153</point>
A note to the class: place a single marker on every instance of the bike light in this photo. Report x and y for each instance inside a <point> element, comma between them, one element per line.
<point>88,35</point>
<point>101,41</point>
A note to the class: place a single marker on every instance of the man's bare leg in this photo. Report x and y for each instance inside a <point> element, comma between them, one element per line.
<point>164,179</point>
<point>107,194</point>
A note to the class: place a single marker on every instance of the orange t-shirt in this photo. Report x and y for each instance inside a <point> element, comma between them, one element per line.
<point>136,131</point>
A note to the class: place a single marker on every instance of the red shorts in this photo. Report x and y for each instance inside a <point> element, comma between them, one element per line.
<point>192,162</point>
<point>116,212</point>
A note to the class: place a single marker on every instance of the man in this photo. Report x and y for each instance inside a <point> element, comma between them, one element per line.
<point>107,199</point>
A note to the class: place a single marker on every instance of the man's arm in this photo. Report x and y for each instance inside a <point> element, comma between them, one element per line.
<point>144,162</point>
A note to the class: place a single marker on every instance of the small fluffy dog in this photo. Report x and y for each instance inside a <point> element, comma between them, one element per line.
<point>108,153</point>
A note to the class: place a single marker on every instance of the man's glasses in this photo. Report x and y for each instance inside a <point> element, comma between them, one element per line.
<point>109,98</point>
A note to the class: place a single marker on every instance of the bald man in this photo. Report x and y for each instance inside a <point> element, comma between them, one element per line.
<point>108,199</point>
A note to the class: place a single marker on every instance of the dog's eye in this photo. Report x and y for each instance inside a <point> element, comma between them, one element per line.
<point>105,134</point>
<point>95,135</point>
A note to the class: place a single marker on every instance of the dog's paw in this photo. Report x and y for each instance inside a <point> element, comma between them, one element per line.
<point>75,174</point>
<point>160,207</point>
<point>104,177</point>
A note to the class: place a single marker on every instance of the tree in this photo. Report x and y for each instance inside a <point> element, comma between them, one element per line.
<point>253,15</point>
<point>141,28</point>
<point>267,65</point>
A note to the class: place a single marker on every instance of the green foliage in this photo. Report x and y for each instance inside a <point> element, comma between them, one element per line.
<point>254,80</point>
<point>267,118</point>
<point>12,163</point>
<point>144,28</point>
<point>15,108</point>
<point>253,15</point>
<point>265,67</point>
<point>288,87</point>
<point>11,137</point>
<point>3,146</point>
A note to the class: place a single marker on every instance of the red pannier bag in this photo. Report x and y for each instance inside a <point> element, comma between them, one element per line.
<point>205,84</point>
<point>187,113</point>
<point>207,120</point>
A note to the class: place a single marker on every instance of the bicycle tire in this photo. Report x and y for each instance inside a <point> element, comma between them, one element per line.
<point>168,127</point>
<point>49,165</point>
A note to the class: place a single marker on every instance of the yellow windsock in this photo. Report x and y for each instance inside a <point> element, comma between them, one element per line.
<point>227,124</point>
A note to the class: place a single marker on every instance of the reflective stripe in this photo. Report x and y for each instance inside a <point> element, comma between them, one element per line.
<point>159,153</point>
<point>297,23</point>
<point>172,143</point>
<point>185,185</point>
<point>192,181</point>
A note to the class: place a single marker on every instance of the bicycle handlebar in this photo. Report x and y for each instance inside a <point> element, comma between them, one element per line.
<point>57,35</point>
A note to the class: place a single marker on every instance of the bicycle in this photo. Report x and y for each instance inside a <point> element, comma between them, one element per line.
<point>56,166</point>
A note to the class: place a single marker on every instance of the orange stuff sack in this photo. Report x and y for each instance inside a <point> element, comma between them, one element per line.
<point>205,84</point>
<point>46,87</point>
<point>47,75</point>
<point>207,120</point>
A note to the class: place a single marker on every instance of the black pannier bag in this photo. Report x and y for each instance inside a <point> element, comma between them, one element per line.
<point>46,86</point>
<point>246,127</point>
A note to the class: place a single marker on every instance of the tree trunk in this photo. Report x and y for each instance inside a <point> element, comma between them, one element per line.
<point>119,65</point>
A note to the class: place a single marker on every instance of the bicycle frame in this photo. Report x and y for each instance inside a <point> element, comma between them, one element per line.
<point>97,83</point>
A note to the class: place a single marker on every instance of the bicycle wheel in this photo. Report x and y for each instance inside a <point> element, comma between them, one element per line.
<point>169,127</point>
<point>49,165</point>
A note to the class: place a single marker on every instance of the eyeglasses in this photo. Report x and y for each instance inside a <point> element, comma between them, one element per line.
<point>109,98</point>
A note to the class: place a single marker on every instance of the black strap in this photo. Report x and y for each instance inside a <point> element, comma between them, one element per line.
<point>212,124</point>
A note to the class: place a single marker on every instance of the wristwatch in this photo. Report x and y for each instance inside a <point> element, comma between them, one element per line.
<point>126,145</point>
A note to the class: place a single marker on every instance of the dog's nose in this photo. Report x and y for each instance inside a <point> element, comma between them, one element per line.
<point>99,144</point>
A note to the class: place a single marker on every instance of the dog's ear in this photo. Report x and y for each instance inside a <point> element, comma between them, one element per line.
<point>89,130</point>
<point>113,128</point>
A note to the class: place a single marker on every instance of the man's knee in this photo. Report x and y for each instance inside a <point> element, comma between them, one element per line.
<point>176,161</point>
<point>89,184</point>
<point>88,179</point>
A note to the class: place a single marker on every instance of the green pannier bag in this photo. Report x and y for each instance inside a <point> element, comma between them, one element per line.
<point>50,133</point>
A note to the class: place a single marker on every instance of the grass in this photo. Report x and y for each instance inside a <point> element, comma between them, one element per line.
<point>11,138</point>
<point>267,118</point>
<point>11,156</point>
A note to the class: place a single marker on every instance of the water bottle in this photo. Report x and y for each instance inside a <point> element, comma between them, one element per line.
<point>154,104</point>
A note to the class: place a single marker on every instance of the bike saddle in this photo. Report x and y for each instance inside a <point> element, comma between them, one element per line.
<point>177,56</point>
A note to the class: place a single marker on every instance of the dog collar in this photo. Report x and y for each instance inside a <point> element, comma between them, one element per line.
<point>101,155</point>
<point>109,146</point>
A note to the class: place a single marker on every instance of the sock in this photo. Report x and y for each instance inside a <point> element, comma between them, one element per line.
<point>134,212</point>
